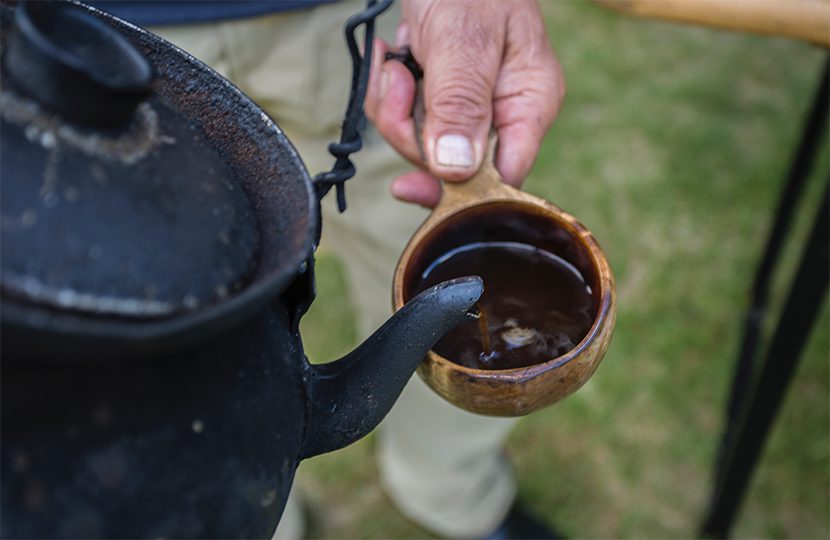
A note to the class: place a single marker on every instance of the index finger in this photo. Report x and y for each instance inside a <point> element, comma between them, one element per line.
<point>389,101</point>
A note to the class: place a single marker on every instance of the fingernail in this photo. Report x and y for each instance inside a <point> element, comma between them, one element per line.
<point>454,151</point>
<point>398,188</point>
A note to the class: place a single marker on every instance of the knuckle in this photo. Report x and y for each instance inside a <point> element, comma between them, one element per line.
<point>460,102</point>
<point>380,121</point>
<point>469,24</point>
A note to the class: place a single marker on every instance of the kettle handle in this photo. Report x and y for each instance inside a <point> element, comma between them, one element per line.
<point>63,56</point>
<point>354,120</point>
<point>349,397</point>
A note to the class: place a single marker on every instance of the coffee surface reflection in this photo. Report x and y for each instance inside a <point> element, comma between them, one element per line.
<point>535,307</point>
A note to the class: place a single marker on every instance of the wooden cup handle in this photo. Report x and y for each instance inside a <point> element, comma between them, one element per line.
<point>486,183</point>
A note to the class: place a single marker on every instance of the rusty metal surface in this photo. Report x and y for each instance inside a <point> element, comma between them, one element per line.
<point>202,445</point>
<point>260,160</point>
<point>148,222</point>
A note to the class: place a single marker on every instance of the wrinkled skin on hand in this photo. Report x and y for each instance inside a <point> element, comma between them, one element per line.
<point>486,63</point>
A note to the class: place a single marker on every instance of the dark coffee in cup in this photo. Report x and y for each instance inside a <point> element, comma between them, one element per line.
<point>536,306</point>
<point>549,299</point>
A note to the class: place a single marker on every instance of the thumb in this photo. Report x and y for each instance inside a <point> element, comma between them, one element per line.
<point>461,66</point>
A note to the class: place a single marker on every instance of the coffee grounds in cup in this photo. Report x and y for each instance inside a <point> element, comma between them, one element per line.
<point>536,305</point>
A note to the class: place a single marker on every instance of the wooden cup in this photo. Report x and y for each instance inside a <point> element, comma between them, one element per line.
<point>484,208</point>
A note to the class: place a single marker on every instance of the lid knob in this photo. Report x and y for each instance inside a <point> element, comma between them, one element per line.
<point>76,65</point>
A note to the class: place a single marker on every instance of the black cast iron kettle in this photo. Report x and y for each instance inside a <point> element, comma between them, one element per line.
<point>156,240</point>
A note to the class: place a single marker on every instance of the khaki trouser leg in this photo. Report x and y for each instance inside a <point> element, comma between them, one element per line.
<point>442,466</point>
<point>292,523</point>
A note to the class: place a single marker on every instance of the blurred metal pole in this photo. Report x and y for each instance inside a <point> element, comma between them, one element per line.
<point>745,367</point>
<point>799,171</point>
<point>801,308</point>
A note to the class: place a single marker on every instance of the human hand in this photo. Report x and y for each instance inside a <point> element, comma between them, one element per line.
<point>487,63</point>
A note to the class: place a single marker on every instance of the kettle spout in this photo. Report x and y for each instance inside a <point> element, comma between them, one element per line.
<point>349,397</point>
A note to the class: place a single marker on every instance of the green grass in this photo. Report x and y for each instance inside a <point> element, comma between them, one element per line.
<point>671,147</point>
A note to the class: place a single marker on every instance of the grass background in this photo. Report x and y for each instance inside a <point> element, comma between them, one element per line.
<point>671,147</point>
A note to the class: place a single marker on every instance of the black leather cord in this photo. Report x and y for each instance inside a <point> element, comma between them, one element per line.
<point>354,120</point>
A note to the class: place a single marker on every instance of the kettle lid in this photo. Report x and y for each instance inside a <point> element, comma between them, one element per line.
<point>114,201</point>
